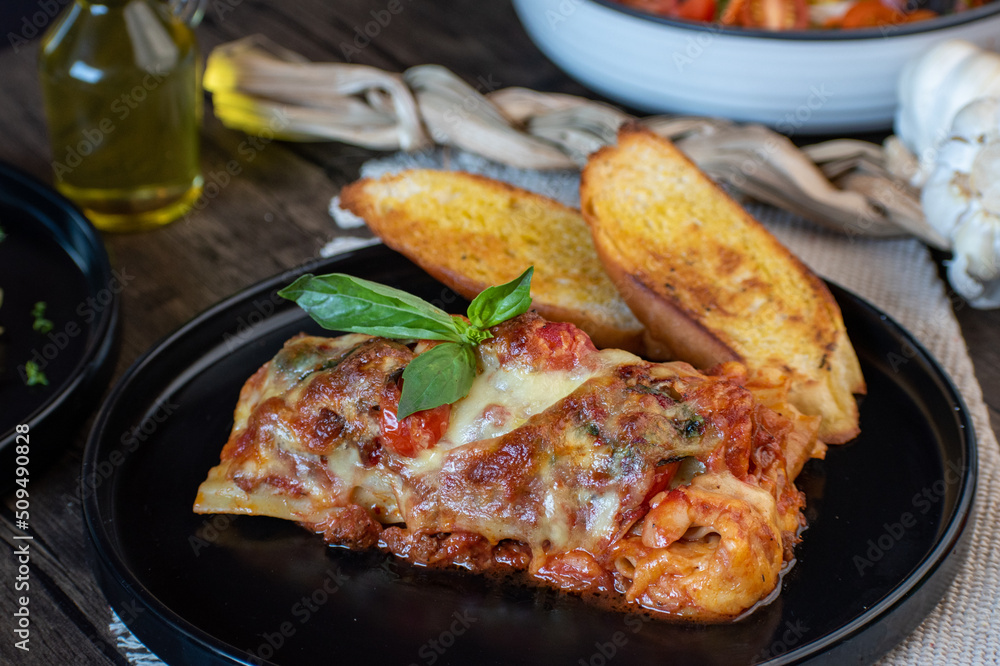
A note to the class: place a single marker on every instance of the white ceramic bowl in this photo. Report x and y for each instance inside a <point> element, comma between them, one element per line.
<point>807,82</point>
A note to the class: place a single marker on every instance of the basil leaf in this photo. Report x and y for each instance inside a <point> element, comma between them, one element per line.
<point>344,303</point>
<point>443,374</point>
<point>471,334</point>
<point>502,302</point>
<point>437,377</point>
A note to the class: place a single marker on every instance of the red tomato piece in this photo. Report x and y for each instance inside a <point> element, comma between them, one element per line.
<point>696,10</point>
<point>563,345</point>
<point>415,433</point>
<point>662,477</point>
<point>661,7</point>
<point>692,10</point>
<point>921,15</point>
<point>870,14</point>
<point>775,14</point>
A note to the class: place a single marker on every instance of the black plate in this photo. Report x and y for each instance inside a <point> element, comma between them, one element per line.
<point>51,253</point>
<point>888,514</point>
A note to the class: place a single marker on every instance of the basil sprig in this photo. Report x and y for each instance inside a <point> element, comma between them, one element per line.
<point>439,376</point>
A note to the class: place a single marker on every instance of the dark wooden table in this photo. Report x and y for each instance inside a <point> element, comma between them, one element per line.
<point>269,218</point>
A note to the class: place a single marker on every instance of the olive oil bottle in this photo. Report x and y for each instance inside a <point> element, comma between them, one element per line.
<point>122,86</point>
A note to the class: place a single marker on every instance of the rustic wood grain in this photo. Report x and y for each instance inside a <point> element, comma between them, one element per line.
<point>269,218</point>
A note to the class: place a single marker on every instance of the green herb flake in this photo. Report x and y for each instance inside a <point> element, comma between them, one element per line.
<point>694,427</point>
<point>437,377</point>
<point>644,388</point>
<point>34,376</point>
<point>41,324</point>
<point>3,235</point>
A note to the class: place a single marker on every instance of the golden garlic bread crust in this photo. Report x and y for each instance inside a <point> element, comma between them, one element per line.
<point>710,283</point>
<point>470,232</point>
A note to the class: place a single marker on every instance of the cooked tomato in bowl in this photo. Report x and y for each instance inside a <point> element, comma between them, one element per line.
<point>795,14</point>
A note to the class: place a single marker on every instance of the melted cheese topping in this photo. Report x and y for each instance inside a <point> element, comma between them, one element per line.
<point>503,399</point>
<point>557,448</point>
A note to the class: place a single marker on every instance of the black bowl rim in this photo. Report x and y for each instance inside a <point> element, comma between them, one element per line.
<point>107,558</point>
<point>814,35</point>
<point>91,371</point>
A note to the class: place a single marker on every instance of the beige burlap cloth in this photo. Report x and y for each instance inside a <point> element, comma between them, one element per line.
<point>897,276</point>
<point>900,278</point>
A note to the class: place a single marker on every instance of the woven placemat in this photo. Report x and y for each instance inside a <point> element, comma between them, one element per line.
<point>900,278</point>
<point>897,276</point>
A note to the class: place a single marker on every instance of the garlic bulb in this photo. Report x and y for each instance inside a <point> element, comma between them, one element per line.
<point>934,87</point>
<point>961,199</point>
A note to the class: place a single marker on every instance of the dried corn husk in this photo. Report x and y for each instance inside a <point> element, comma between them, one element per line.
<point>256,84</point>
<point>456,114</point>
<point>841,185</point>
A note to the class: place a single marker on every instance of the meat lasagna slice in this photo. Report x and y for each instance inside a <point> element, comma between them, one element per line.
<point>591,470</point>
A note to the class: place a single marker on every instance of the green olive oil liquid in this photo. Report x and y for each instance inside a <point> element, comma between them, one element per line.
<point>122,89</point>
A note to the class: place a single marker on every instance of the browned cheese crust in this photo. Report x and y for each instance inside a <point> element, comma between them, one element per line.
<point>589,470</point>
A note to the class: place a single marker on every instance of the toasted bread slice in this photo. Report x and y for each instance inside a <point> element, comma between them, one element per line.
<point>471,232</point>
<point>713,285</point>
